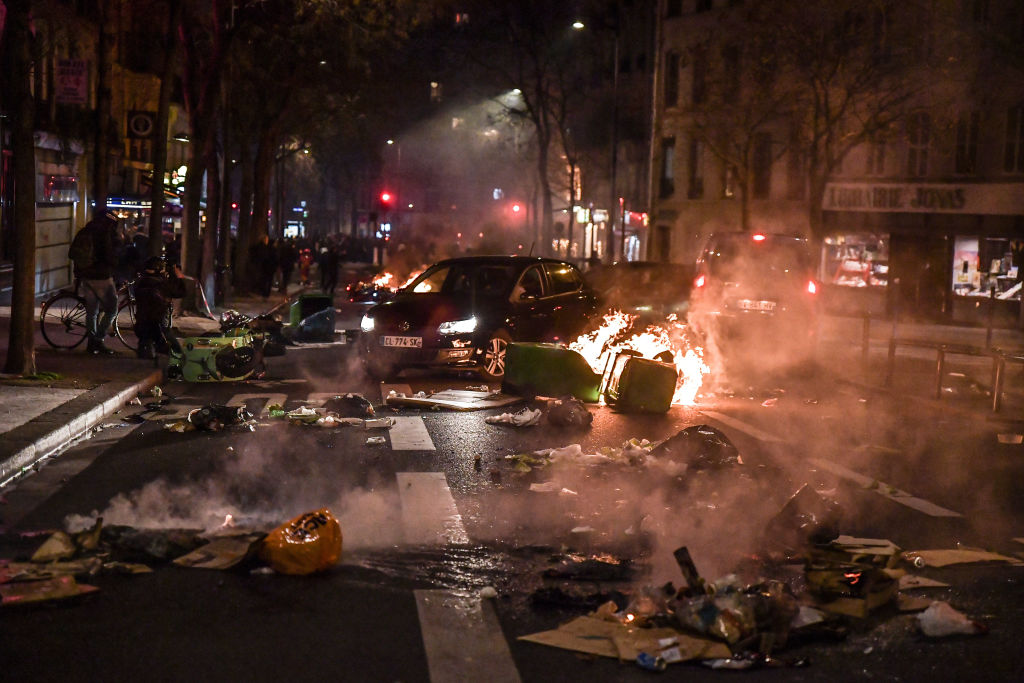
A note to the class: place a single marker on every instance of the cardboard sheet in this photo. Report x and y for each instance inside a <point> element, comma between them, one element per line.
<point>220,553</point>
<point>945,558</point>
<point>611,639</point>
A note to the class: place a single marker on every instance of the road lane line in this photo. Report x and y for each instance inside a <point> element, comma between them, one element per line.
<point>892,493</point>
<point>748,429</point>
<point>429,513</point>
<point>463,639</point>
<point>881,488</point>
<point>410,434</point>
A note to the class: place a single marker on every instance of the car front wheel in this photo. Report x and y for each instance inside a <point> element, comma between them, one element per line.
<point>493,365</point>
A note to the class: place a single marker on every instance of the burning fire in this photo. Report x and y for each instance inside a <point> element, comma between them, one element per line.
<point>383,279</point>
<point>605,342</point>
<point>415,274</point>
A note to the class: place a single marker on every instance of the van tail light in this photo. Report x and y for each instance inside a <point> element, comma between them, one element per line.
<point>758,237</point>
<point>699,282</point>
<point>812,287</point>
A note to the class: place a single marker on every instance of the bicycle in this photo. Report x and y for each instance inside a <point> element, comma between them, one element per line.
<point>63,317</point>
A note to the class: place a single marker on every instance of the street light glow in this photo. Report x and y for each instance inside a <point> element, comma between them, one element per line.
<point>578,25</point>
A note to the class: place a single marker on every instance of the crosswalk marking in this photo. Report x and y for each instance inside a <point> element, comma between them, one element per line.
<point>429,513</point>
<point>463,639</point>
<point>410,434</point>
<point>881,488</point>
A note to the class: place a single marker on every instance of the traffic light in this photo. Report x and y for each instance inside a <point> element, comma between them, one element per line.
<point>387,199</point>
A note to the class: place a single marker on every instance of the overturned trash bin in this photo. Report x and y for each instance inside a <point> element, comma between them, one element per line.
<point>312,318</point>
<point>534,369</point>
<point>639,385</point>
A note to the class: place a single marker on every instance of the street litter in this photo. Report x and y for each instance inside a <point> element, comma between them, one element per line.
<point>454,399</point>
<point>307,544</point>
<point>58,588</point>
<point>215,417</point>
<point>379,423</point>
<point>568,412</point>
<point>524,418</point>
<point>221,553</point>
<point>349,405</point>
<point>551,487</point>
<point>941,620</point>
<point>376,441</point>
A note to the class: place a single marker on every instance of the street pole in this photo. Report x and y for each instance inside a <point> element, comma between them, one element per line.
<point>613,207</point>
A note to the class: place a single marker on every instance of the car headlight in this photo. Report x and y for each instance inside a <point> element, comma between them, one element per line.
<point>366,324</point>
<point>458,326</point>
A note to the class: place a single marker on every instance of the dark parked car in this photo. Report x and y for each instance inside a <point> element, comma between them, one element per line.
<point>759,290</point>
<point>650,290</point>
<point>461,313</point>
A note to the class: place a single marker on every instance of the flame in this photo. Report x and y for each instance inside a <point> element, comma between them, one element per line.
<point>671,336</point>
<point>415,274</point>
<point>383,279</point>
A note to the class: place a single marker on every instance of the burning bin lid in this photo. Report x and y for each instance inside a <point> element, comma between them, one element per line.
<point>641,385</point>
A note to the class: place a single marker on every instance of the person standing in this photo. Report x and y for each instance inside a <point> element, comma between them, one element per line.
<point>287,255</point>
<point>155,287</point>
<point>329,263</point>
<point>263,257</point>
<point>95,253</point>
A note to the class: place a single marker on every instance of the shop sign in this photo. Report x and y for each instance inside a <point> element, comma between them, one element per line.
<point>988,198</point>
<point>72,81</point>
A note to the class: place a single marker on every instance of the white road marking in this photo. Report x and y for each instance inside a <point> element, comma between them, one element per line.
<point>429,513</point>
<point>410,434</point>
<point>748,429</point>
<point>881,488</point>
<point>463,639</point>
<point>268,400</point>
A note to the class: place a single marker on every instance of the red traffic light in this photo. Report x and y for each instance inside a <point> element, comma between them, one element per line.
<point>386,197</point>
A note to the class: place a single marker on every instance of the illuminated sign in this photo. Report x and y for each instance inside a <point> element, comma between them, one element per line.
<point>988,198</point>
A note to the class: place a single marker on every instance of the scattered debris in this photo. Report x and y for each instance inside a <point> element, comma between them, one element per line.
<point>941,620</point>
<point>945,558</point>
<point>524,418</point>
<point>349,405</point>
<point>221,553</point>
<point>701,447</point>
<point>57,588</point>
<point>454,399</point>
<point>569,412</point>
<point>376,441</point>
<point>807,517</point>
<point>215,417</point>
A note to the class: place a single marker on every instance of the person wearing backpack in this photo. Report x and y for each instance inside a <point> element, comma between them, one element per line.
<point>95,254</point>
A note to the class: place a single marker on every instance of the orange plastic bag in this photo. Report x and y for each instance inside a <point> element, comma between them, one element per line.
<point>307,544</point>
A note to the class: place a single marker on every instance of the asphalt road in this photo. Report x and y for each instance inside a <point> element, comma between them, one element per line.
<point>439,513</point>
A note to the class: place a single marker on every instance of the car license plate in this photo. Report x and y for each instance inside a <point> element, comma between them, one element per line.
<point>760,306</point>
<point>402,342</point>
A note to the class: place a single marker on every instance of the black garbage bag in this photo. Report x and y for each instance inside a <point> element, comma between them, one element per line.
<point>701,447</point>
<point>807,518</point>
<point>349,405</point>
<point>569,412</point>
<point>214,417</point>
<point>236,362</point>
<point>146,545</point>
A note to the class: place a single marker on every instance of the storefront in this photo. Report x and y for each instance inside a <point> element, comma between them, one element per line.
<point>939,251</point>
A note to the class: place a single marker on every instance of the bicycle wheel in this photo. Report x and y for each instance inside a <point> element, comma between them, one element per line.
<point>124,324</point>
<point>62,320</point>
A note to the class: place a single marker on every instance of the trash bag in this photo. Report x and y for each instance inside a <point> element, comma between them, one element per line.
<point>807,517</point>
<point>569,412</point>
<point>236,362</point>
<point>309,543</point>
<point>214,417</point>
<point>701,447</point>
<point>349,405</point>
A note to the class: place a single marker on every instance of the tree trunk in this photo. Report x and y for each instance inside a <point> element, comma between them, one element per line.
<point>262,175</point>
<point>245,209</point>
<point>210,231</point>
<point>156,196</point>
<point>101,140</point>
<point>21,357</point>
<point>547,209</point>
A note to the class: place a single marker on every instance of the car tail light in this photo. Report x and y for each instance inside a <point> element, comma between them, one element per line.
<point>699,282</point>
<point>812,287</point>
<point>758,237</point>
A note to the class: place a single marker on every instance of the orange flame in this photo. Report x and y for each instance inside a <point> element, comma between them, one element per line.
<point>383,279</point>
<point>671,336</point>
<point>415,274</point>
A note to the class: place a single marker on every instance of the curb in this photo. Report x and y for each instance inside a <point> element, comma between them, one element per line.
<point>53,431</point>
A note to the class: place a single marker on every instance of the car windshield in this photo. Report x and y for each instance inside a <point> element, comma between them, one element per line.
<point>743,258</point>
<point>485,279</point>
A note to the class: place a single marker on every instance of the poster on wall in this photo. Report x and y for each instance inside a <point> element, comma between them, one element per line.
<point>965,265</point>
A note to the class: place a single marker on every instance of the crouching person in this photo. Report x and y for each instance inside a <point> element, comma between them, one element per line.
<point>155,287</point>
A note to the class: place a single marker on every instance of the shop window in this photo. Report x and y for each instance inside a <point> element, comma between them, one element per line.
<point>699,83</point>
<point>984,267</point>
<point>762,166</point>
<point>695,182</point>
<point>856,260</point>
<point>918,140</point>
<point>668,162</point>
<point>1013,159</point>
<point>967,143</point>
<point>672,79</point>
<point>876,157</point>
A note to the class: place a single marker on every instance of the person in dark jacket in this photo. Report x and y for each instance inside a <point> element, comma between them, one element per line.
<point>155,287</point>
<point>263,259</point>
<point>287,256</point>
<point>96,280</point>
